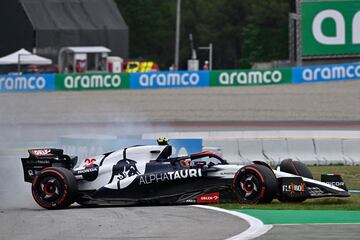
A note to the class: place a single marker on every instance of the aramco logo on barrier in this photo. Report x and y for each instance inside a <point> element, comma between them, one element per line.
<point>249,78</point>
<point>23,83</point>
<point>331,73</point>
<point>169,79</point>
<point>326,73</point>
<point>92,81</point>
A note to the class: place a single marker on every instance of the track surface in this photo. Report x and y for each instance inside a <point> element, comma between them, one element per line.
<point>181,222</point>
<point>338,101</point>
<point>42,117</point>
<point>45,116</point>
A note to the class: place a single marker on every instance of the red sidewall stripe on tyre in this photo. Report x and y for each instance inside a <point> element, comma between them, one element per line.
<point>42,203</point>
<point>263,188</point>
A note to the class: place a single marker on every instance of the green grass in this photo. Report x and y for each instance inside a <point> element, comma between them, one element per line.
<point>351,203</point>
<point>351,176</point>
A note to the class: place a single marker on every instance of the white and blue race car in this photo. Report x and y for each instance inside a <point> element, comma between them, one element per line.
<point>148,175</point>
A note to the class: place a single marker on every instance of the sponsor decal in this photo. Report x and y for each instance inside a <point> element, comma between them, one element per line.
<point>170,176</point>
<point>37,161</point>
<point>209,198</point>
<point>169,79</point>
<point>326,73</point>
<point>41,152</point>
<point>27,83</point>
<point>336,184</point>
<point>124,173</point>
<point>89,174</point>
<point>89,163</point>
<point>334,180</point>
<point>330,27</point>
<point>87,170</point>
<point>92,81</point>
<point>294,187</point>
<point>250,77</point>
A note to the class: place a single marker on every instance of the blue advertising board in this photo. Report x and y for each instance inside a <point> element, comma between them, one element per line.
<point>27,83</point>
<point>326,73</point>
<point>171,79</point>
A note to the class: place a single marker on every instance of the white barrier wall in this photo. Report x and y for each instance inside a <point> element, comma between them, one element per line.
<point>310,147</point>
<point>309,151</point>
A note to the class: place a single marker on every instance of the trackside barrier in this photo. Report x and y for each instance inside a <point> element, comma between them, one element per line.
<point>95,81</point>
<point>250,77</point>
<point>304,150</point>
<point>309,151</point>
<point>251,149</point>
<point>331,151</point>
<point>178,79</point>
<point>275,150</point>
<point>351,149</point>
<point>27,83</point>
<point>326,73</point>
<point>229,149</point>
<point>171,79</point>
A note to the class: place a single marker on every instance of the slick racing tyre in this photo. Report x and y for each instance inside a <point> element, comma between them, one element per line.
<point>255,184</point>
<point>296,168</point>
<point>54,188</point>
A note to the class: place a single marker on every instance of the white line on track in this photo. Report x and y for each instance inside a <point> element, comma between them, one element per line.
<point>256,229</point>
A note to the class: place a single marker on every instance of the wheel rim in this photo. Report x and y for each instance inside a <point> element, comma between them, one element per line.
<point>49,189</point>
<point>249,187</point>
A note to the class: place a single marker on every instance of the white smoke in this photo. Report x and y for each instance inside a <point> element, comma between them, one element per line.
<point>16,139</point>
<point>14,192</point>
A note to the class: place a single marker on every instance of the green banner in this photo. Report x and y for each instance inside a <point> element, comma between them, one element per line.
<point>94,81</point>
<point>250,77</point>
<point>330,27</point>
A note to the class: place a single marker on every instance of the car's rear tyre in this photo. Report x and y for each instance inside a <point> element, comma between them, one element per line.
<point>255,184</point>
<point>296,168</point>
<point>54,188</point>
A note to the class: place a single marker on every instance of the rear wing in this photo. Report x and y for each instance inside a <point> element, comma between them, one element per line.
<point>42,158</point>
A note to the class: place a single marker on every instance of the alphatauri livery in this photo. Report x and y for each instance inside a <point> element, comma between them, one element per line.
<point>148,175</point>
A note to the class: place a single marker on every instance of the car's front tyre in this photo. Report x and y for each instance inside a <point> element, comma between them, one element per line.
<point>255,184</point>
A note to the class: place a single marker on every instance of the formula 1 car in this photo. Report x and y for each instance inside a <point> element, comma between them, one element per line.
<point>148,175</point>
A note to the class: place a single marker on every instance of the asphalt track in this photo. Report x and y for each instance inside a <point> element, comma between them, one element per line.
<point>42,117</point>
<point>334,101</point>
<point>180,222</point>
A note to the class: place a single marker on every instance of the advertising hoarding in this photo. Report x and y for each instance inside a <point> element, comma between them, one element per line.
<point>172,79</point>
<point>95,81</point>
<point>326,73</point>
<point>330,27</point>
<point>27,83</point>
<point>250,77</point>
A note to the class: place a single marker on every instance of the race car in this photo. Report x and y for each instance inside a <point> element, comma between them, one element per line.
<point>149,175</point>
